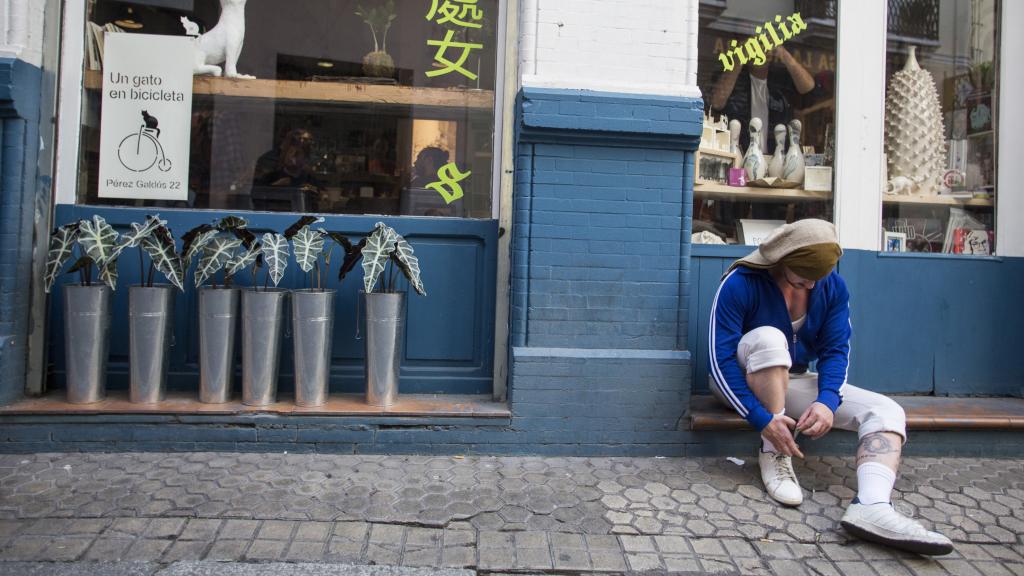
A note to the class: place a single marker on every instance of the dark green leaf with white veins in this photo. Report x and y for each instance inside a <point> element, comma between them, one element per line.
<point>98,239</point>
<point>379,246</point>
<point>215,255</point>
<point>133,238</point>
<point>307,245</point>
<point>108,273</point>
<point>275,254</point>
<point>243,259</point>
<point>160,247</point>
<point>62,243</point>
<point>409,264</point>
<point>196,244</point>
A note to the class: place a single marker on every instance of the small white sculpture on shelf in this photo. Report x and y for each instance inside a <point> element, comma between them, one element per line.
<point>734,137</point>
<point>705,237</point>
<point>778,160</point>
<point>901,186</point>
<point>222,44</point>
<point>914,143</point>
<point>793,170</point>
<point>753,160</point>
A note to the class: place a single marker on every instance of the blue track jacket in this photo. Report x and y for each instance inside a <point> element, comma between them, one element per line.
<point>748,299</point>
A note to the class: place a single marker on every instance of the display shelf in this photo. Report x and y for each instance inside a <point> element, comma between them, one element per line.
<point>724,192</point>
<point>294,90</point>
<point>936,200</point>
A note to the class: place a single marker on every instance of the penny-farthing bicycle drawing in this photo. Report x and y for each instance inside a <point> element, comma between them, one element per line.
<point>139,151</point>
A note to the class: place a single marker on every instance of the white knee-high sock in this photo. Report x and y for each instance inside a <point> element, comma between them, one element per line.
<point>766,444</point>
<point>874,482</point>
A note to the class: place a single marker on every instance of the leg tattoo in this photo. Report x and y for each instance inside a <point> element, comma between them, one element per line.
<point>877,446</point>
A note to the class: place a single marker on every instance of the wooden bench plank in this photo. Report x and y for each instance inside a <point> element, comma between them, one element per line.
<point>923,413</point>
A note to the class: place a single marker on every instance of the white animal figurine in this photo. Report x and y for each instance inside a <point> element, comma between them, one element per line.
<point>793,169</point>
<point>753,161</point>
<point>191,28</point>
<point>901,186</point>
<point>734,137</point>
<point>778,160</point>
<point>223,43</point>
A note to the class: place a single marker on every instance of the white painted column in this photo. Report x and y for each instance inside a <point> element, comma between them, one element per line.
<point>611,46</point>
<point>860,113</point>
<point>1010,124</point>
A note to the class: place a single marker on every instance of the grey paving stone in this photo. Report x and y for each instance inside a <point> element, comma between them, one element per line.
<point>533,558</point>
<point>186,550</point>
<point>458,556</point>
<point>106,549</point>
<point>238,529</point>
<point>200,529</point>
<point>276,530</point>
<point>571,559</point>
<point>422,557</point>
<point>147,549</point>
<point>227,550</point>
<point>305,551</point>
<point>607,561</point>
<point>459,538</point>
<point>496,558</point>
<point>314,531</point>
<point>644,562</point>
<point>266,550</point>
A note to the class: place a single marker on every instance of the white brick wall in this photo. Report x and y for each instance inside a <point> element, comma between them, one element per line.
<point>635,46</point>
<point>21,30</point>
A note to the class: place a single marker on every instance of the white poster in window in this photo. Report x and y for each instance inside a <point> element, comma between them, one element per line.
<point>147,112</point>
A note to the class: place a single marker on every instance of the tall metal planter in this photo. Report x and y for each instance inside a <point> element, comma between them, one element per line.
<point>150,317</point>
<point>312,327</point>
<point>218,314</point>
<point>385,326</point>
<point>86,341</point>
<point>262,324</point>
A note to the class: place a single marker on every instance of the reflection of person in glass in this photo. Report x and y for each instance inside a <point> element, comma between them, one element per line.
<point>768,92</point>
<point>428,162</point>
<point>290,165</point>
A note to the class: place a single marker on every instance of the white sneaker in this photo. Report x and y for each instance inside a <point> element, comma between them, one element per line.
<point>883,524</point>
<point>779,478</point>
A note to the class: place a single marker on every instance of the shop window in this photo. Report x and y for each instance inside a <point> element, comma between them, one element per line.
<point>773,64</point>
<point>357,107</point>
<point>940,127</point>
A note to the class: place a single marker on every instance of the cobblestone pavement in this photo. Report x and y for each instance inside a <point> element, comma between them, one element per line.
<point>494,513</point>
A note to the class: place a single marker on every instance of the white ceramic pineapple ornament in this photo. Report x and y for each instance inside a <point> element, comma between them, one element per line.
<point>793,169</point>
<point>915,145</point>
<point>779,157</point>
<point>753,160</point>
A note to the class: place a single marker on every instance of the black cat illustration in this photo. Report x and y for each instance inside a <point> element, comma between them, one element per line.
<point>151,122</point>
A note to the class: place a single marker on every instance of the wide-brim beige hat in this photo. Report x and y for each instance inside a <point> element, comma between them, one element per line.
<point>788,238</point>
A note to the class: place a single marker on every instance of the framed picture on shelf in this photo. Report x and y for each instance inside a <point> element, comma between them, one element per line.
<point>894,242</point>
<point>753,232</point>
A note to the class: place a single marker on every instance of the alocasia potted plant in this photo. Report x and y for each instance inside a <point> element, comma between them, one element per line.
<point>226,248</point>
<point>262,323</point>
<point>86,303</point>
<point>312,313</point>
<point>384,251</point>
<point>151,308</point>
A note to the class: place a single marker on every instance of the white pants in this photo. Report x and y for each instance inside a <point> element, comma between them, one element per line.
<point>861,411</point>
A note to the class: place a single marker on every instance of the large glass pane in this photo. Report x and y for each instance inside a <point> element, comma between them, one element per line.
<point>940,128</point>
<point>357,106</point>
<point>773,64</point>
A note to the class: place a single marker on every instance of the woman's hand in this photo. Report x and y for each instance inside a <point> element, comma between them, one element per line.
<point>779,433</point>
<point>816,421</point>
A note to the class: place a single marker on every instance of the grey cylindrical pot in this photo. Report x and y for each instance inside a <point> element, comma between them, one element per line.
<point>262,324</point>
<point>385,322</point>
<point>86,341</point>
<point>312,327</point>
<point>150,317</point>
<point>218,313</point>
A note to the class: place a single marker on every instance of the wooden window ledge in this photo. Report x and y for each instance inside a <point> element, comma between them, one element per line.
<point>426,405</point>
